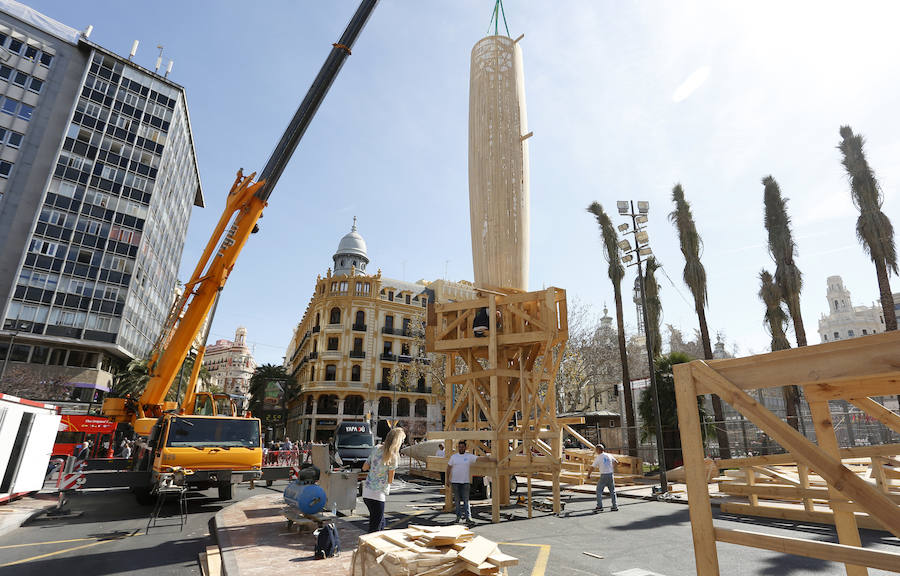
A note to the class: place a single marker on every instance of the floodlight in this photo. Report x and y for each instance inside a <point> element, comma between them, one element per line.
<point>622,205</point>
<point>623,227</point>
<point>645,251</point>
<point>643,206</point>
<point>640,219</point>
<point>641,237</point>
<point>627,258</point>
<point>625,245</point>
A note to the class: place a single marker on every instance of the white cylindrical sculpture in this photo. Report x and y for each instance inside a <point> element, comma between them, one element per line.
<point>498,165</point>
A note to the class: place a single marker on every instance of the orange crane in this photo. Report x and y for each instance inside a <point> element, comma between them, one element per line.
<point>206,435</point>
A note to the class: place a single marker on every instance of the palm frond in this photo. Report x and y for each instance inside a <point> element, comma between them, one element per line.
<point>691,246</point>
<point>610,242</point>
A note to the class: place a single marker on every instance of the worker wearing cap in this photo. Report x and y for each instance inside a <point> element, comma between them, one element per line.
<point>605,463</point>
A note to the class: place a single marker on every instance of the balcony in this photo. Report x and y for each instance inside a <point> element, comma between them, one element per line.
<point>423,389</point>
<point>385,386</point>
<point>313,355</point>
<point>405,358</point>
<point>359,327</point>
<point>357,354</point>
<point>388,357</point>
<point>387,330</point>
<point>334,327</point>
<point>331,354</point>
<point>316,329</point>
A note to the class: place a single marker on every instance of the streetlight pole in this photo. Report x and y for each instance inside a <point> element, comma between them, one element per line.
<point>627,209</point>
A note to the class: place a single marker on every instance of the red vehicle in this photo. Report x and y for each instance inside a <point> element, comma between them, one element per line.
<point>75,429</point>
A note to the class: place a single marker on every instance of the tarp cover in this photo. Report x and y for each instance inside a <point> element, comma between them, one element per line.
<point>40,21</point>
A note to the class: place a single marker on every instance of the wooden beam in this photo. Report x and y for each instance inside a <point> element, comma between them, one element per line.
<point>878,559</point>
<point>853,388</point>
<point>705,555</point>
<point>828,466</point>
<point>788,458</point>
<point>851,359</point>
<point>879,412</point>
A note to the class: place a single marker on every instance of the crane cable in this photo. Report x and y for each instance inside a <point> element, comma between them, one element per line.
<point>495,19</point>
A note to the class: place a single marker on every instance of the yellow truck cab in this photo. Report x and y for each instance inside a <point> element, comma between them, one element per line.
<point>219,451</point>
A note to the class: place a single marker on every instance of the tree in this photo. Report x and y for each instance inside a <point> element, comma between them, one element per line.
<point>34,382</point>
<point>677,343</point>
<point>668,409</point>
<point>132,380</point>
<point>654,306</point>
<point>787,275</point>
<point>695,278</point>
<point>616,272</point>
<point>873,228</point>
<point>775,318</point>
<point>262,377</point>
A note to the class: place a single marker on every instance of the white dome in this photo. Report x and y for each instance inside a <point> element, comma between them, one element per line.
<point>352,243</point>
<point>351,254</point>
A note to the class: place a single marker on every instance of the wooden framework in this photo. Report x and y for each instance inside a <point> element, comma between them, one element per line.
<point>500,389</point>
<point>852,370</point>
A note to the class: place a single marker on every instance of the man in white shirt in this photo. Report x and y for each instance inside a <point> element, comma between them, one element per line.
<point>458,469</point>
<point>440,454</point>
<point>605,464</point>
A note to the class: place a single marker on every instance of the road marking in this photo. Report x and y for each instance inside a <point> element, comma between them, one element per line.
<point>540,565</point>
<point>72,549</point>
<point>42,543</point>
<point>636,572</point>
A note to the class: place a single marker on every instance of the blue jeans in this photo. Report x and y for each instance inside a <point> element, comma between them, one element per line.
<point>376,514</point>
<point>461,496</point>
<point>606,481</point>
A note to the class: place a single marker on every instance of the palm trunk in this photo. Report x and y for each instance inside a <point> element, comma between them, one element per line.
<point>887,299</point>
<point>718,411</point>
<point>792,393</point>
<point>631,428</point>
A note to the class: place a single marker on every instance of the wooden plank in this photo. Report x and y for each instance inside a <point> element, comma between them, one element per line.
<point>795,513</point>
<point>498,558</point>
<point>705,554</point>
<point>878,559</point>
<point>788,458</point>
<point>879,412</point>
<point>214,561</point>
<point>854,388</point>
<point>827,466</point>
<point>803,473</point>
<point>204,563</point>
<point>477,551</point>
<point>852,359</point>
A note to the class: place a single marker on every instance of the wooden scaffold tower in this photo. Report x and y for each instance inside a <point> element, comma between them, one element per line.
<point>500,387</point>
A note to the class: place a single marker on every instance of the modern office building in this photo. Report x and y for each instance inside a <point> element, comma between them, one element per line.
<point>231,364</point>
<point>98,177</point>
<point>844,320</point>
<point>359,351</point>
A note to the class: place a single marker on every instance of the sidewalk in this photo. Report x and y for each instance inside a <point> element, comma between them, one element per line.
<point>14,514</point>
<point>254,540</point>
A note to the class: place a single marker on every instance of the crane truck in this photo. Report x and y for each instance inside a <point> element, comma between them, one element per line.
<point>206,435</point>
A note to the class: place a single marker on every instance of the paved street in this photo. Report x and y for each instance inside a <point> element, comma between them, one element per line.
<point>642,539</point>
<point>109,538</point>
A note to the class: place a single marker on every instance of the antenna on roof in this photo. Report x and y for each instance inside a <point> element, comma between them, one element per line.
<point>133,50</point>
<point>87,31</point>
<point>169,68</point>
<point>159,58</point>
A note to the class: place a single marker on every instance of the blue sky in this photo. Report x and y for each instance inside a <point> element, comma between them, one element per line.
<point>625,99</point>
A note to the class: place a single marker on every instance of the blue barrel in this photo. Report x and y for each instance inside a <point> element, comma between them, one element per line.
<point>308,498</point>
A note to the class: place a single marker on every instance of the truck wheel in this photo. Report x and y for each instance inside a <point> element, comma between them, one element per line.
<point>143,496</point>
<point>513,485</point>
<point>225,491</point>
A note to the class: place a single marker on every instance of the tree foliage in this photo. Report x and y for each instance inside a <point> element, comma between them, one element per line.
<point>654,306</point>
<point>776,320</point>
<point>259,381</point>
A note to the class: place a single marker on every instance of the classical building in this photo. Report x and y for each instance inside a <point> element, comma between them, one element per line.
<point>231,364</point>
<point>359,351</point>
<point>844,320</point>
<point>98,177</point>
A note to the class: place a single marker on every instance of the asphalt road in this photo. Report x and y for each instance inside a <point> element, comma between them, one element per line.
<point>110,537</point>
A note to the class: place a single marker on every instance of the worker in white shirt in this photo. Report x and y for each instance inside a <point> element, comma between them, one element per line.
<point>458,469</point>
<point>440,454</point>
<point>605,464</point>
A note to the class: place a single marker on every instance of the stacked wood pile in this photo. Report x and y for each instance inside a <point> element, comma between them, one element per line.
<point>428,551</point>
<point>576,461</point>
<point>775,487</point>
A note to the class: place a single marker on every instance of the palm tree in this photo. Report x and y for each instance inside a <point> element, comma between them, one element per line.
<point>264,375</point>
<point>787,275</point>
<point>132,380</point>
<point>777,321</point>
<point>695,278</point>
<point>873,229</point>
<point>654,306</point>
<point>616,272</point>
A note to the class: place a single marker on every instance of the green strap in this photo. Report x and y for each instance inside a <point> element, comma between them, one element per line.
<point>496,13</point>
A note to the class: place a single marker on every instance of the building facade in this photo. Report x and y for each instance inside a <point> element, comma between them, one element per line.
<point>231,364</point>
<point>98,177</point>
<point>359,351</point>
<point>844,320</point>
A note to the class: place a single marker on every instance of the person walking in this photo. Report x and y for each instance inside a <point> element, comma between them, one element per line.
<point>382,463</point>
<point>440,454</point>
<point>605,464</point>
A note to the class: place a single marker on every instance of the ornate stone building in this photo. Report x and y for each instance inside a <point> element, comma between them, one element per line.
<point>231,364</point>
<point>359,352</point>
<point>844,320</point>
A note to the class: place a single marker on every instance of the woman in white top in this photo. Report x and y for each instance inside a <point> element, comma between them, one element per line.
<point>380,466</point>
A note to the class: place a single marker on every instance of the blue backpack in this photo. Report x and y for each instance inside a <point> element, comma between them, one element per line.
<point>328,543</point>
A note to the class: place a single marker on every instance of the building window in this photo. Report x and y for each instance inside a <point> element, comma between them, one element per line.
<point>387,348</point>
<point>389,323</point>
<point>312,374</point>
<point>825,337</point>
<point>15,46</point>
<point>9,106</point>
<point>35,85</point>
<point>46,59</point>
<point>333,343</point>
<point>330,372</point>
<point>357,344</point>
<point>865,331</point>
<point>850,334</point>
<point>386,375</point>
<point>355,373</point>
<point>407,298</point>
<point>317,319</point>
<point>837,335</point>
<point>25,111</point>
<point>391,296</point>
<point>5,168</point>
<point>335,317</point>
<point>360,318</point>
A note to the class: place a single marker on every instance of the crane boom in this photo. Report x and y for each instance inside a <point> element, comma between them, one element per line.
<point>243,208</point>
